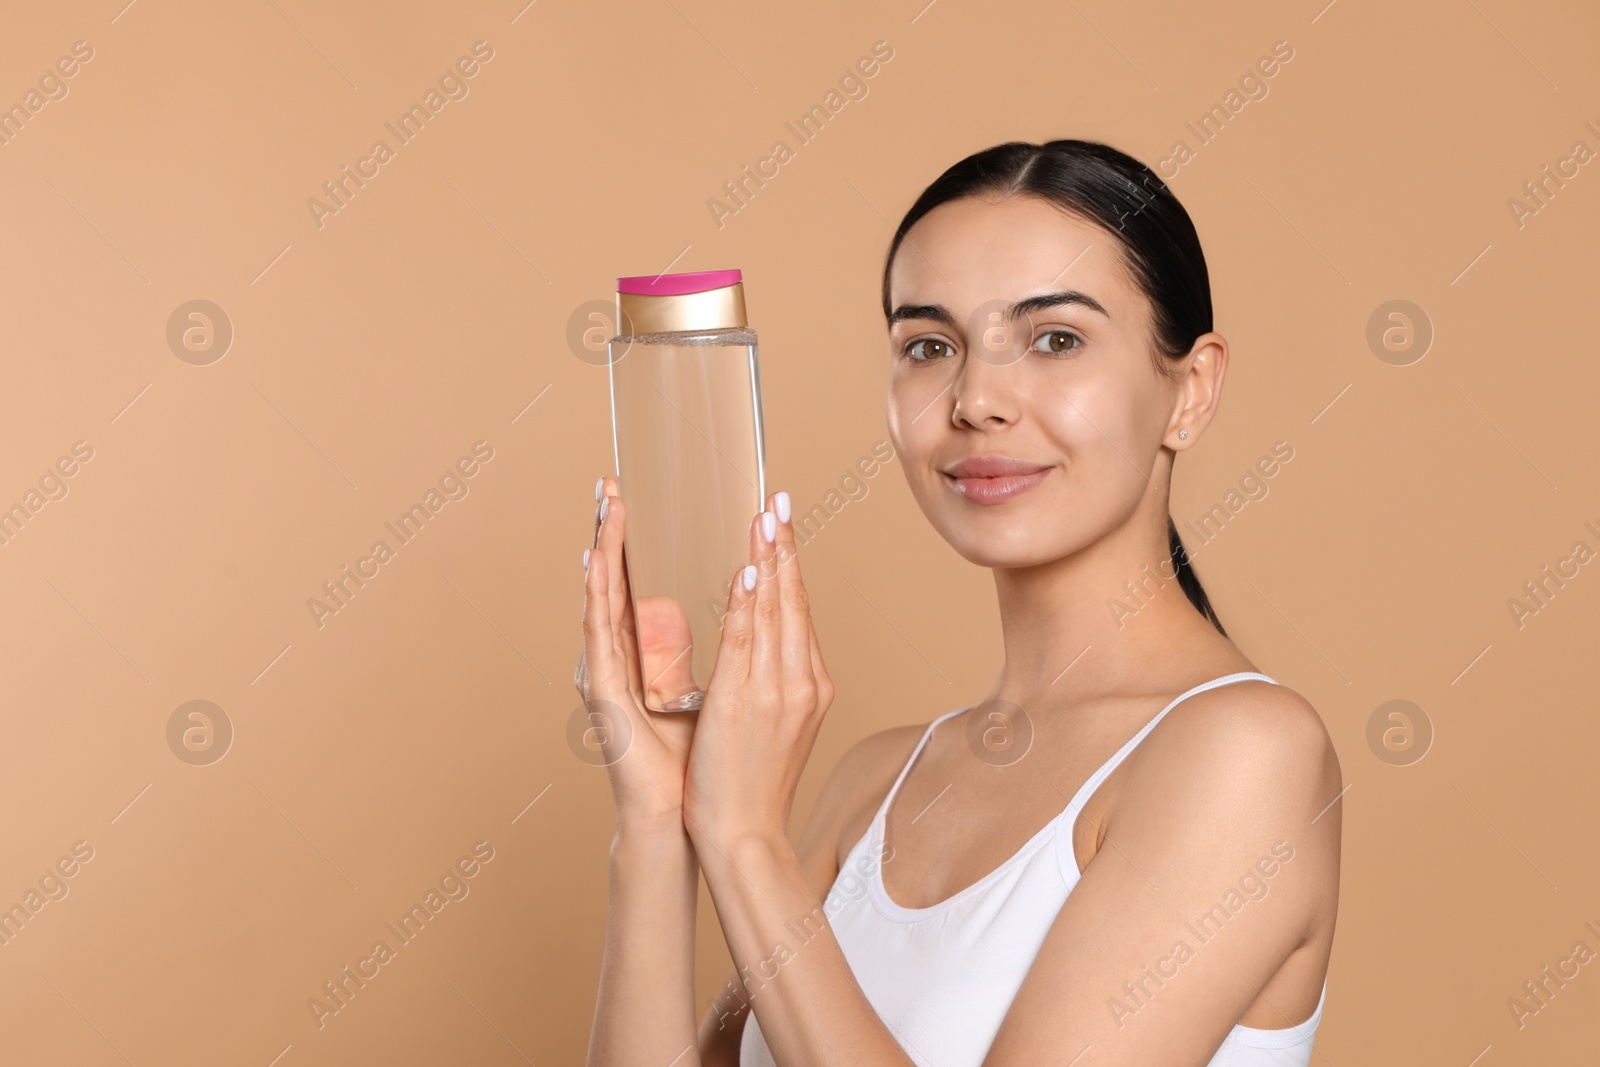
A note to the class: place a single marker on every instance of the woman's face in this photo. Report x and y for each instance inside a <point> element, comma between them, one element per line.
<point>1024,437</point>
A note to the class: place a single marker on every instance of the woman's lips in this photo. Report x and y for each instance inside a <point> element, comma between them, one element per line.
<point>995,490</point>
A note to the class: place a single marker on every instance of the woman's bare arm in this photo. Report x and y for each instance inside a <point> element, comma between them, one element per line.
<point>1219,863</point>
<point>644,1014</point>
<point>812,1011</point>
<point>852,792</point>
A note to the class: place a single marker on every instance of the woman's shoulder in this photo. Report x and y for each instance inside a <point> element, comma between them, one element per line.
<point>1253,741</point>
<point>1253,718</point>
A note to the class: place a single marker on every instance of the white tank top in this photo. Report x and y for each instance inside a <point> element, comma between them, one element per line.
<point>943,977</point>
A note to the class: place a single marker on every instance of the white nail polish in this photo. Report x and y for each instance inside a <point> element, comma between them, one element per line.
<point>599,486</point>
<point>604,504</point>
<point>782,503</point>
<point>749,577</point>
<point>769,526</point>
<point>586,559</point>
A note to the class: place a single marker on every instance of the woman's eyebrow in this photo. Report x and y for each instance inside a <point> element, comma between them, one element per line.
<point>933,312</point>
<point>1060,299</point>
<point>1020,309</point>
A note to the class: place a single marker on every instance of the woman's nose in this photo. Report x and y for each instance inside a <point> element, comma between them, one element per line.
<point>988,387</point>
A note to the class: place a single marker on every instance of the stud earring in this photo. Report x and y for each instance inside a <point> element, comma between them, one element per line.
<point>1183,434</point>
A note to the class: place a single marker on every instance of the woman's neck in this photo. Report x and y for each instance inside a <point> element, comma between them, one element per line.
<point>1101,618</point>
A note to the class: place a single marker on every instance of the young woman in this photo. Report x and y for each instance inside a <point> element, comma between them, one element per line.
<point>1128,852</point>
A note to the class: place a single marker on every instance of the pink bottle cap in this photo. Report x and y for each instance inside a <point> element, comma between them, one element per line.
<point>678,284</point>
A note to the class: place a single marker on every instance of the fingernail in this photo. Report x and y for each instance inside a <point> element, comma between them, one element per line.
<point>586,559</point>
<point>782,504</point>
<point>604,504</point>
<point>769,526</point>
<point>599,484</point>
<point>749,577</point>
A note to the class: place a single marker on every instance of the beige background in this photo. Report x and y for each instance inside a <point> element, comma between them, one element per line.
<point>370,353</point>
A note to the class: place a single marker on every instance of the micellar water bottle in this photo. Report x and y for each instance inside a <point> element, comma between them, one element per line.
<point>691,467</point>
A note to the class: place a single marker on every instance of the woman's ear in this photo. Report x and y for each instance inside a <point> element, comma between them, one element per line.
<point>1199,390</point>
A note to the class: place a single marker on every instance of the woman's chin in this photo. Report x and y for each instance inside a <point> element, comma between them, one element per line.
<point>986,539</point>
<point>995,552</point>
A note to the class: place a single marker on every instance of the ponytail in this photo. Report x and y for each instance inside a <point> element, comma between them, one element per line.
<point>1187,579</point>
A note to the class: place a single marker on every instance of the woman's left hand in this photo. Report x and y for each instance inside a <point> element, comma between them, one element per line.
<point>765,701</point>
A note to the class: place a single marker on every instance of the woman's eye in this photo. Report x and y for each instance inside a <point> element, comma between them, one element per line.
<point>931,348</point>
<point>1058,342</point>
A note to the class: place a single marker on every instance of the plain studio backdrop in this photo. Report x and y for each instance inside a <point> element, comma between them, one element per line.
<point>187,485</point>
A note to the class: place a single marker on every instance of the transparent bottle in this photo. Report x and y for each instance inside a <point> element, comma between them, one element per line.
<point>691,467</point>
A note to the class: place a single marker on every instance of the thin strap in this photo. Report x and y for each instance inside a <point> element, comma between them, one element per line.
<point>884,807</point>
<point>1087,789</point>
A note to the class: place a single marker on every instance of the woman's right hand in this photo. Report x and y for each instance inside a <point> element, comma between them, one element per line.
<point>645,752</point>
